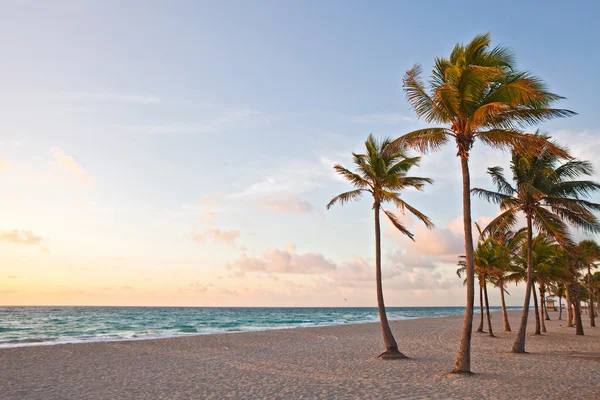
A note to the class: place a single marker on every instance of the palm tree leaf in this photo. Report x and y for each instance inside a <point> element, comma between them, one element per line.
<point>350,176</point>
<point>417,95</point>
<point>399,225</point>
<point>501,224</point>
<point>493,197</point>
<point>500,181</point>
<point>345,197</point>
<point>403,206</point>
<point>424,140</point>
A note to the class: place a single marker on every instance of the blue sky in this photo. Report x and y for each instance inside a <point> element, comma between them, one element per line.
<point>184,141</point>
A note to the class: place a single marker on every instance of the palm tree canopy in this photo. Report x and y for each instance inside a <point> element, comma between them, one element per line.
<point>547,191</point>
<point>495,256</point>
<point>383,173</point>
<point>546,266</point>
<point>477,93</point>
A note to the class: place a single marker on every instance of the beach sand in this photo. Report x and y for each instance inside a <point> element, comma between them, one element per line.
<point>326,362</point>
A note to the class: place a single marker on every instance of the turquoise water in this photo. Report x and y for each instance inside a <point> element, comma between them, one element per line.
<point>30,326</point>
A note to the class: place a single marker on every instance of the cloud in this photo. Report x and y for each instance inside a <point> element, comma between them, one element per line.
<point>440,245</point>
<point>5,165</point>
<point>382,119</point>
<point>111,97</point>
<point>69,164</point>
<point>207,218</point>
<point>20,237</point>
<point>286,203</point>
<point>217,235</point>
<point>223,121</point>
<point>284,262</point>
<point>198,287</point>
<point>297,176</point>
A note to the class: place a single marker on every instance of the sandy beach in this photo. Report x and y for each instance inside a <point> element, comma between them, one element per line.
<point>325,362</point>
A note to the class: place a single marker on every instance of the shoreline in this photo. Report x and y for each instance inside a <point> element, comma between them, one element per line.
<point>313,362</point>
<point>98,339</point>
<point>184,335</point>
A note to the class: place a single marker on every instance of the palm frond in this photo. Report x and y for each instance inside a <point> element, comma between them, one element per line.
<point>424,140</point>
<point>345,197</point>
<point>399,225</point>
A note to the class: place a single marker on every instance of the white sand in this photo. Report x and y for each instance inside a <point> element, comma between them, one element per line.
<point>329,362</point>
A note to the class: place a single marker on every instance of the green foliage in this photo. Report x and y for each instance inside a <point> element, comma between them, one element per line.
<point>477,93</point>
<point>547,191</point>
<point>382,171</point>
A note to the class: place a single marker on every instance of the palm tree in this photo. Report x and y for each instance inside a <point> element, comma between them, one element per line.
<point>549,197</point>
<point>484,258</point>
<point>544,271</point>
<point>558,290</point>
<point>591,251</point>
<point>573,261</point>
<point>383,173</point>
<point>477,94</point>
<point>508,243</point>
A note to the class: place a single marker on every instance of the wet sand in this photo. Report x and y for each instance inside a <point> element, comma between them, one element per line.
<point>327,362</point>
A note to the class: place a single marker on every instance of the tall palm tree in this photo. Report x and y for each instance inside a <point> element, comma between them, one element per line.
<point>477,94</point>
<point>548,195</point>
<point>382,172</point>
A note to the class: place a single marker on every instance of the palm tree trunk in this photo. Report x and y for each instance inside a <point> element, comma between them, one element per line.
<point>487,310</point>
<point>388,339</point>
<point>480,327</point>
<point>537,311</point>
<point>542,309</point>
<point>504,313</point>
<point>569,307</point>
<point>463,359</point>
<point>519,345</point>
<point>574,294</point>
<point>591,296</point>
<point>559,307</point>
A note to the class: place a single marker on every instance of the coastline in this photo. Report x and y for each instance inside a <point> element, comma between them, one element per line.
<point>188,329</point>
<point>313,362</point>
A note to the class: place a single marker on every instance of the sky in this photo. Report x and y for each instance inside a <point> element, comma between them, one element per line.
<point>180,153</point>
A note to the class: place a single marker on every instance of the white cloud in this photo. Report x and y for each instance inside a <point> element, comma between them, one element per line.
<point>110,97</point>
<point>69,164</point>
<point>382,119</point>
<point>286,203</point>
<point>211,124</point>
<point>295,177</point>
<point>217,235</point>
<point>5,164</point>
<point>207,218</point>
<point>284,262</point>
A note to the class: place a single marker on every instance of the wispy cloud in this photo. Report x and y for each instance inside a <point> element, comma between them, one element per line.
<point>210,124</point>
<point>25,237</point>
<point>382,119</point>
<point>286,203</point>
<point>284,262</point>
<point>110,97</point>
<point>68,163</point>
<point>217,235</point>
<point>298,176</point>
<point>5,165</point>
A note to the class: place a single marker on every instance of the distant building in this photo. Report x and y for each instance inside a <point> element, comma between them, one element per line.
<point>551,305</point>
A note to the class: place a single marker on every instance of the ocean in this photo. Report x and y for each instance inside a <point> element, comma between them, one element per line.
<point>34,326</point>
